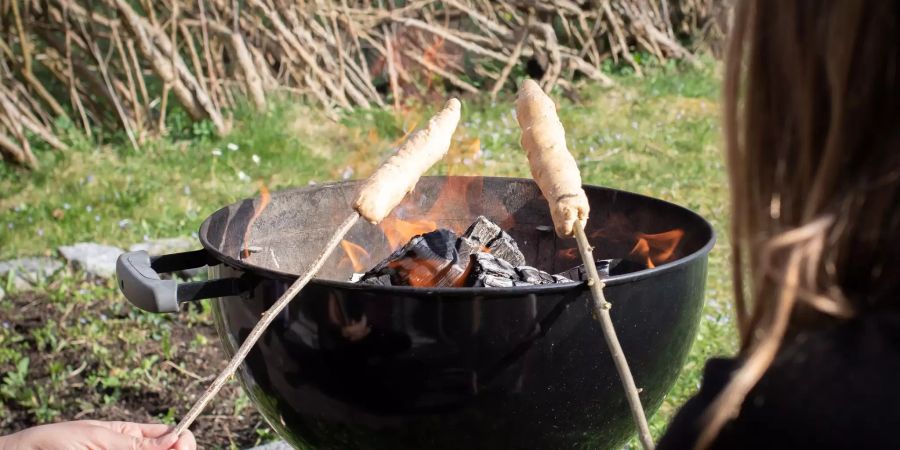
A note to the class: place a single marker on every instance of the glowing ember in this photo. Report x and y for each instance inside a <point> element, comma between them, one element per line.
<point>567,253</point>
<point>424,272</point>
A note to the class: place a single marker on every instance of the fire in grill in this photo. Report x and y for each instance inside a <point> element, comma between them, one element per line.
<point>429,247</point>
<point>484,256</point>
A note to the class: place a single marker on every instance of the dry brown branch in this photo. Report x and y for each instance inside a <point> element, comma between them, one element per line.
<point>120,69</point>
<point>513,59</point>
<point>9,149</point>
<point>391,67</point>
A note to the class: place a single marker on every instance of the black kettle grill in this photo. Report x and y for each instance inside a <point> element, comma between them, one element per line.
<point>350,366</point>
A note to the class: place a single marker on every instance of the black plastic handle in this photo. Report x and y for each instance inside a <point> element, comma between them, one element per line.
<point>139,280</point>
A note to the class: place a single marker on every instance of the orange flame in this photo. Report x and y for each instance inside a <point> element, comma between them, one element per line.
<point>451,201</point>
<point>355,254</point>
<point>264,199</point>
<point>656,248</point>
<point>399,231</point>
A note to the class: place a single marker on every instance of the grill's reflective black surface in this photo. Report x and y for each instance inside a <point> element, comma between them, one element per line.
<point>349,367</point>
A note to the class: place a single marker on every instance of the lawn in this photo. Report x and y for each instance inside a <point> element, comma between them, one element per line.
<point>73,348</point>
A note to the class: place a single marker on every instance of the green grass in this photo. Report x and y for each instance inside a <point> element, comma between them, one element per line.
<point>657,136</point>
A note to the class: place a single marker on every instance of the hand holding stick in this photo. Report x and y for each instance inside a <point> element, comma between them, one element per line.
<point>378,196</point>
<point>554,169</point>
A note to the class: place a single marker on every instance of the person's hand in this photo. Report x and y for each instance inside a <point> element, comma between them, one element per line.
<point>97,435</point>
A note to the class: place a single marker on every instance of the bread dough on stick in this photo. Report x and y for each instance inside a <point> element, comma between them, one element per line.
<point>398,175</point>
<point>553,167</point>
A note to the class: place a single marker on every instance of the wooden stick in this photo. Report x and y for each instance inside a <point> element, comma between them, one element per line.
<point>377,197</point>
<point>263,324</point>
<point>601,314</point>
<point>556,173</point>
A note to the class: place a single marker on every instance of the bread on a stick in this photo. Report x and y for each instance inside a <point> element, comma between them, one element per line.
<point>398,175</point>
<point>552,166</point>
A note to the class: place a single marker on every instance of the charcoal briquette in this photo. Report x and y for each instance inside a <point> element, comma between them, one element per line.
<point>505,248</point>
<point>483,230</point>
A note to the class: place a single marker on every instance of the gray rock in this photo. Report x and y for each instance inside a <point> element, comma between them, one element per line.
<point>166,245</point>
<point>29,271</point>
<point>96,259</point>
<point>278,445</point>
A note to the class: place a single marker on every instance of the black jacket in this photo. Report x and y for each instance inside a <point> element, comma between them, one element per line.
<point>837,388</point>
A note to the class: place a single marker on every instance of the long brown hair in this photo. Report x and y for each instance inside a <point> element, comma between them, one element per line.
<point>812,123</point>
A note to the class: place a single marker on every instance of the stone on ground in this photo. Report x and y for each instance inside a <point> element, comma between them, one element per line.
<point>167,245</point>
<point>95,259</point>
<point>28,271</point>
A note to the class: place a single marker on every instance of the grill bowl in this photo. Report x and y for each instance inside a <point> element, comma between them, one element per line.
<point>454,368</point>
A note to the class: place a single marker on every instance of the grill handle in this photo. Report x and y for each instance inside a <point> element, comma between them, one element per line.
<point>139,280</point>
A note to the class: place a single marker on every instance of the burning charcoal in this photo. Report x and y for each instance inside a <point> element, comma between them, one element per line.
<point>483,231</point>
<point>534,276</point>
<point>429,259</point>
<point>486,265</point>
<point>504,247</point>
<point>380,280</point>
<point>499,282</point>
<point>466,247</point>
<point>604,266</point>
<point>490,271</point>
<point>488,234</point>
<point>484,256</point>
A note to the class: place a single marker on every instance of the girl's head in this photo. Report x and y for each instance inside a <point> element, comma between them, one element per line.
<point>812,121</point>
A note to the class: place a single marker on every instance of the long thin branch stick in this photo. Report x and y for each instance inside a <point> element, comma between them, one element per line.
<point>601,313</point>
<point>267,317</point>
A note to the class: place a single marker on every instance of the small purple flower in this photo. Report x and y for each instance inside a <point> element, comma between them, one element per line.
<point>40,232</point>
<point>97,218</point>
<point>88,208</point>
<point>66,206</point>
<point>124,223</point>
